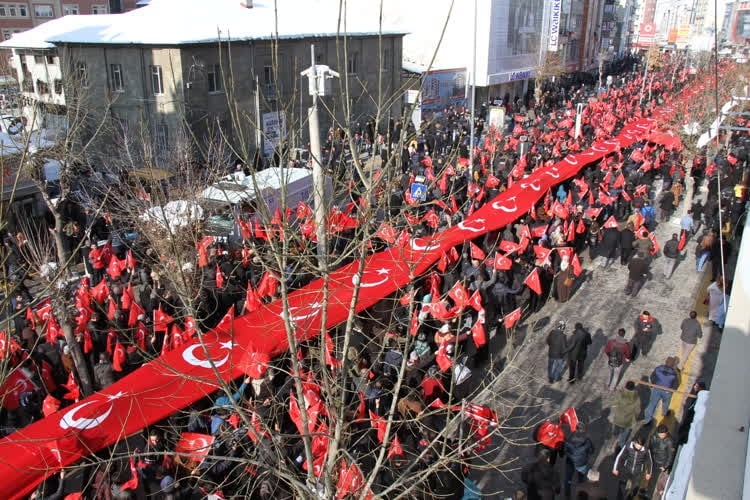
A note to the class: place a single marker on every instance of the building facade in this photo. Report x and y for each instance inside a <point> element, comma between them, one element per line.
<point>237,85</point>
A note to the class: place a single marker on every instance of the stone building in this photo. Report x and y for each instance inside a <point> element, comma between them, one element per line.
<point>204,64</point>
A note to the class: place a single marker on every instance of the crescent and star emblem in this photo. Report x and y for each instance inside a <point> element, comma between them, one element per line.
<point>466,227</point>
<point>553,172</point>
<point>314,311</point>
<point>498,205</point>
<point>571,160</point>
<point>533,185</point>
<point>71,421</point>
<point>189,356</point>
<point>422,248</point>
<point>383,273</point>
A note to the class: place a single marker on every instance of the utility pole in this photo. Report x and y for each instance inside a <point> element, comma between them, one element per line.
<point>317,75</point>
<point>473,95</point>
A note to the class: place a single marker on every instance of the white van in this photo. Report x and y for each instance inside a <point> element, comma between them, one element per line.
<point>236,189</point>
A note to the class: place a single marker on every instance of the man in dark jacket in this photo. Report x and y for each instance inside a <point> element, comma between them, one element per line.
<point>690,332</point>
<point>577,350</point>
<point>670,254</point>
<point>662,447</point>
<point>631,464</point>
<point>638,272</point>
<point>617,351</point>
<point>541,479</point>
<point>578,452</point>
<point>608,246</point>
<point>557,343</point>
<point>104,374</point>
<point>627,238</point>
<point>666,377</point>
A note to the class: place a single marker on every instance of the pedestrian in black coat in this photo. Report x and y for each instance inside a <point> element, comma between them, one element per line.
<point>627,238</point>
<point>608,246</point>
<point>541,479</point>
<point>578,345</point>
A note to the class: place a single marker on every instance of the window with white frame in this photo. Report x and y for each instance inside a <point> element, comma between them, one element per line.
<point>99,9</point>
<point>82,71</point>
<point>214,78</point>
<point>116,81</point>
<point>44,11</point>
<point>13,10</point>
<point>71,9</point>
<point>157,80</point>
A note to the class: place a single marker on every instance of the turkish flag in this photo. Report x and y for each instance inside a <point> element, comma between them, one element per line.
<point>407,298</point>
<point>161,320</point>
<point>386,233</point>
<point>351,481</point>
<point>475,301</point>
<point>246,229</point>
<point>512,318</point>
<point>434,280</point>
<point>379,424</point>
<point>100,292</point>
<point>443,360</point>
<point>227,322</point>
<point>53,330</point>
<point>532,281</point>
<point>524,232</point>
<point>219,278</point>
<point>475,252</point>
<point>16,383</point>
<point>115,267</point>
<point>580,227</point>
<point>132,483</point>
<point>194,446</point>
<point>478,334</point>
<point>88,343</point>
<point>576,263</point>
<point>459,294</point>
<point>541,253</point>
<point>50,405</point>
<point>619,181</point>
<point>254,364</point>
<point>260,232</point>
<point>8,346</point>
<point>135,311</point>
<point>538,231</point>
<point>119,357</point>
<point>508,246</point>
<point>178,337</point>
<point>625,195</point>
<point>611,222</point>
<point>74,390</point>
<point>111,309</point>
<point>593,212</point>
<point>252,301</point>
<point>414,323</point>
<point>130,261</point>
<point>395,449</point>
<point>431,219</point>
<point>558,210</point>
<point>501,262</point>
<point>268,285</point>
<point>128,296</point>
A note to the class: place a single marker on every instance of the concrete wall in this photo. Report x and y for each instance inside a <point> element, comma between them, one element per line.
<point>720,467</point>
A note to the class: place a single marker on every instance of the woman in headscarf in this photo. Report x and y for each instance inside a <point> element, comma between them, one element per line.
<point>564,280</point>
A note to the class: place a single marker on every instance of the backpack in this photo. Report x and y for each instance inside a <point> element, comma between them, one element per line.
<point>615,356</point>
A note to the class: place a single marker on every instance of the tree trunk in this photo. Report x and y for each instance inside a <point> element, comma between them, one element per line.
<point>63,256</point>
<point>82,368</point>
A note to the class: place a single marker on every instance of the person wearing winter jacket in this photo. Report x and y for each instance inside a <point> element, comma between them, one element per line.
<point>557,343</point>
<point>631,464</point>
<point>665,377</point>
<point>578,452</point>
<point>577,350</point>
<point>625,409</point>
<point>662,450</point>
<point>541,478</point>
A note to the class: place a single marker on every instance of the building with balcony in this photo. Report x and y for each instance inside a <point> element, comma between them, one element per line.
<point>177,63</point>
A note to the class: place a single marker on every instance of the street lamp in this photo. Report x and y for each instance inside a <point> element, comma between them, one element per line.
<point>317,76</point>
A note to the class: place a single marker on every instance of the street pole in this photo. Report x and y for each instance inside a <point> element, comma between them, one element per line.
<point>317,168</point>
<point>258,130</point>
<point>473,94</point>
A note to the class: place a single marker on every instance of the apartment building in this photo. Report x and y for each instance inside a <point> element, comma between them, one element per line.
<point>16,17</point>
<point>205,64</point>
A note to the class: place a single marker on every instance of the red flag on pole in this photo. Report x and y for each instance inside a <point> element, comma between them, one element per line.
<point>475,252</point>
<point>161,320</point>
<point>501,262</point>
<point>475,301</point>
<point>132,483</point>
<point>532,281</point>
<point>459,294</point>
<point>478,335</point>
<point>252,301</point>
<point>119,358</point>
<point>508,246</point>
<point>512,318</point>
<point>576,263</point>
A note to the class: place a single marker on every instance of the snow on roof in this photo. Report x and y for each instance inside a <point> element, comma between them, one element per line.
<point>233,190</point>
<point>14,144</point>
<point>176,22</point>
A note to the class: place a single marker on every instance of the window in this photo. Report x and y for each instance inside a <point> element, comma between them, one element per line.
<point>268,76</point>
<point>386,62</point>
<point>83,74</point>
<point>39,59</point>
<point>214,78</point>
<point>70,10</point>
<point>50,59</point>
<point>116,82</point>
<point>99,9</point>
<point>351,64</point>
<point>157,82</point>
<point>42,87</point>
<point>43,11</point>
<point>160,138</point>
<point>58,86</point>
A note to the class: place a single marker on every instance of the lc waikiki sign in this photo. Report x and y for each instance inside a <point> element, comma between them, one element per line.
<point>554,26</point>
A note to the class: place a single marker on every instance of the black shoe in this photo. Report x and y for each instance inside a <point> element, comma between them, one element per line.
<point>571,381</point>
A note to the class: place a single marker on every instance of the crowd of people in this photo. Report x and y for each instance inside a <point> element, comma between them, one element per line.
<point>419,347</point>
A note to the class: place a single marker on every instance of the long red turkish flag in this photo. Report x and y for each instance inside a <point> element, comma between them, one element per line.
<point>153,392</point>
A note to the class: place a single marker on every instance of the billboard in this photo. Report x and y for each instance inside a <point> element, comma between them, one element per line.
<point>443,88</point>
<point>647,35</point>
<point>274,130</point>
<point>554,26</point>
